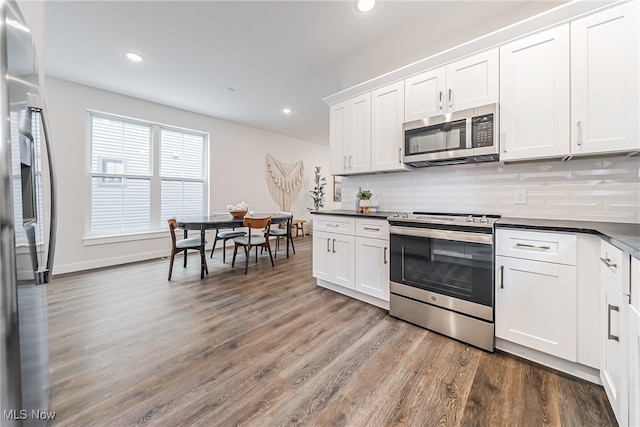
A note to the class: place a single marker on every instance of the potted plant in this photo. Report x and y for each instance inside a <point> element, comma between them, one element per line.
<point>364,196</point>
<point>317,194</point>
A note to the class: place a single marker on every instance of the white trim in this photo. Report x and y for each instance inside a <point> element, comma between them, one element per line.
<point>127,237</point>
<point>108,262</point>
<point>562,365</point>
<point>354,294</point>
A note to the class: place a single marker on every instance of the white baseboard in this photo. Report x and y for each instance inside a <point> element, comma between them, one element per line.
<point>108,262</point>
<point>354,294</point>
<point>566,366</point>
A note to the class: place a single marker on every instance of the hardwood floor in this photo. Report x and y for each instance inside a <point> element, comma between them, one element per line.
<point>129,348</point>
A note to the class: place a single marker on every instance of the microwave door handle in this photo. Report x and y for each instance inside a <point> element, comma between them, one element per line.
<point>468,138</point>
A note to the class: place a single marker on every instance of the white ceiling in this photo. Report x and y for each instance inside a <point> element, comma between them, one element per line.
<point>275,54</point>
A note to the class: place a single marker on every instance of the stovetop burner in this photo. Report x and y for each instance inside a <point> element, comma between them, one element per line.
<point>458,219</point>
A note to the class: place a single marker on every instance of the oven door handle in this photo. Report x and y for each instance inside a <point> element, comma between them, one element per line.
<point>432,233</point>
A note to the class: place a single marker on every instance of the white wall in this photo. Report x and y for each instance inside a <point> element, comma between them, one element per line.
<point>237,163</point>
<point>594,189</point>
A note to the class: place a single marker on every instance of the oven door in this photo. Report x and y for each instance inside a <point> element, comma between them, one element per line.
<point>444,262</point>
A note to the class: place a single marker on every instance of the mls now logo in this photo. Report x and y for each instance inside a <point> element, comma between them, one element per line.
<point>23,414</point>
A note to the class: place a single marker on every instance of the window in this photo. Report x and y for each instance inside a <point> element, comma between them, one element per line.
<point>143,173</point>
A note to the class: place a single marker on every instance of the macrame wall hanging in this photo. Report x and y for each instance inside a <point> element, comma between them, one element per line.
<point>284,181</point>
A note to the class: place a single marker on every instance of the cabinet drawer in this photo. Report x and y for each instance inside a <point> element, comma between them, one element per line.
<point>557,248</point>
<point>614,265</point>
<point>334,224</point>
<point>374,228</point>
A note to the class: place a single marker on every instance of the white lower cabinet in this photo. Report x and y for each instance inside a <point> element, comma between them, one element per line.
<point>372,267</point>
<point>536,305</point>
<point>613,355</point>
<point>634,367</point>
<point>353,258</point>
<point>333,256</point>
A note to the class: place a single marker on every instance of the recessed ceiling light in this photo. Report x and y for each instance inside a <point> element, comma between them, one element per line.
<point>230,90</point>
<point>366,5</point>
<point>286,110</point>
<point>134,57</point>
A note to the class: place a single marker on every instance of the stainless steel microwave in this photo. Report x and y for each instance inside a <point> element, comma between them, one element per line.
<point>466,136</point>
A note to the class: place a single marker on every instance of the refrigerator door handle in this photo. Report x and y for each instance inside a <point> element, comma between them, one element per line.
<point>44,274</point>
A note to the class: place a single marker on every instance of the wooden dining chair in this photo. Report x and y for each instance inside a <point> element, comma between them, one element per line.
<point>183,245</point>
<point>283,232</point>
<point>256,238</point>
<point>224,236</point>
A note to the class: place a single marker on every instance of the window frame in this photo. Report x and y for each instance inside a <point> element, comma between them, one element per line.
<point>157,227</point>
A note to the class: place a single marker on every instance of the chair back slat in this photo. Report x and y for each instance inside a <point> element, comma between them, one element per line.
<point>173,224</point>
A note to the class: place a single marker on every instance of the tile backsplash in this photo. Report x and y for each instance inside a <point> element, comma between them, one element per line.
<point>590,189</point>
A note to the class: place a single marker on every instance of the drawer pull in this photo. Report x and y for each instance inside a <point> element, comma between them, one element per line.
<point>609,334</point>
<point>371,229</point>
<point>608,263</point>
<point>526,245</point>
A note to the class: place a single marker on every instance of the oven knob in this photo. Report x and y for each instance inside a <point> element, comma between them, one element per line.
<point>404,215</point>
<point>484,219</point>
<point>470,219</point>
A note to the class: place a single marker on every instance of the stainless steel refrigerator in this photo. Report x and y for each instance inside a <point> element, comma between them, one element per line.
<point>27,226</point>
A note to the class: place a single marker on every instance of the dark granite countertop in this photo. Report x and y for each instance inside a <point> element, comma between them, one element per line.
<point>625,236</point>
<point>347,212</point>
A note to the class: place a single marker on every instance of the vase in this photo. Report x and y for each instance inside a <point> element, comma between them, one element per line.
<point>365,203</point>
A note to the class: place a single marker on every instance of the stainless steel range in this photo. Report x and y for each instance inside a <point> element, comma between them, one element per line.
<point>442,274</point>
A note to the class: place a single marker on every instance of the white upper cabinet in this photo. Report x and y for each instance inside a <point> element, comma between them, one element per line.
<point>472,81</point>
<point>604,81</point>
<point>350,135</point>
<point>534,96</point>
<point>424,95</point>
<point>366,132</point>
<point>387,114</point>
<point>467,83</point>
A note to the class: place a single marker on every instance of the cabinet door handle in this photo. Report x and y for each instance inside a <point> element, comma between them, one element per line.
<point>608,263</point>
<point>328,240</point>
<point>350,162</point>
<point>526,245</point>
<point>579,132</point>
<point>399,154</point>
<point>344,162</point>
<point>609,334</point>
<point>371,229</point>
<point>502,277</point>
<point>450,98</point>
<point>440,101</point>
<point>334,246</point>
<point>385,255</point>
<point>504,141</point>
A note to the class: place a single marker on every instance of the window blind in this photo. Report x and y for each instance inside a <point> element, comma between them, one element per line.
<point>124,185</point>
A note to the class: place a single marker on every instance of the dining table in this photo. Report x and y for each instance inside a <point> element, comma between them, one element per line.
<point>222,220</point>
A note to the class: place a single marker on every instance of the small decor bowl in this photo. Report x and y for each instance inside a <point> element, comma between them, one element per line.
<point>238,213</point>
